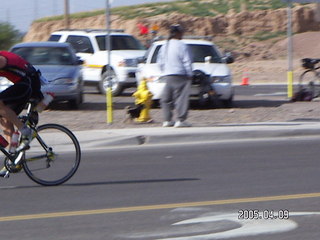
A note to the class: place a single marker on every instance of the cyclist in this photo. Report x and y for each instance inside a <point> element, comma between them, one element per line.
<point>26,84</point>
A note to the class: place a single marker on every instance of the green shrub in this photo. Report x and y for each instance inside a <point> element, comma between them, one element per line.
<point>262,36</point>
<point>8,36</point>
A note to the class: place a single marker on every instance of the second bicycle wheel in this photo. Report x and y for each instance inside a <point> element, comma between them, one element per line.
<point>54,155</point>
<point>310,81</point>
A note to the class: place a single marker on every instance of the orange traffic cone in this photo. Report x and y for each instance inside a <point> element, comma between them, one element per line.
<point>245,78</point>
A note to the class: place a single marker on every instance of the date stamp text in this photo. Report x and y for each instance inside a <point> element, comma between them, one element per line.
<point>267,214</point>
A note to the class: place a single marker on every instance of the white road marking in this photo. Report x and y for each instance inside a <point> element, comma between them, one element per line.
<point>248,227</point>
<point>270,94</point>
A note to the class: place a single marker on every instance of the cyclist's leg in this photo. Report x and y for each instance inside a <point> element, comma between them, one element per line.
<point>10,116</point>
<point>7,128</point>
<point>12,102</point>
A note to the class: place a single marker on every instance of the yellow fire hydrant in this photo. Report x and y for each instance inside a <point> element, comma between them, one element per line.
<point>143,97</point>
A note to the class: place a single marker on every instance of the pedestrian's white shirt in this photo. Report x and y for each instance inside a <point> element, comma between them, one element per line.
<point>174,58</point>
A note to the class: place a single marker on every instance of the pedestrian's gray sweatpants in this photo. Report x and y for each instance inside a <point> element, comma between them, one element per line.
<point>176,96</point>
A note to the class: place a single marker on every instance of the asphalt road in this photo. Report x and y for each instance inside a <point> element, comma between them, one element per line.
<point>183,191</point>
<point>261,90</point>
<point>242,94</point>
<point>250,90</point>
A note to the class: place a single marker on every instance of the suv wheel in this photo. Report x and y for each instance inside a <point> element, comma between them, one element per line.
<point>74,103</point>
<point>116,86</point>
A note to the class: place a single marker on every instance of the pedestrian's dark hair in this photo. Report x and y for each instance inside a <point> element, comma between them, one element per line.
<point>174,30</point>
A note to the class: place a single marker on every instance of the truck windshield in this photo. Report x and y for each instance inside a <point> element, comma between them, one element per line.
<point>120,43</point>
<point>198,51</point>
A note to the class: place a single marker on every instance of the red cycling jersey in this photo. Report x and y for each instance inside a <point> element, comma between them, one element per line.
<point>16,68</point>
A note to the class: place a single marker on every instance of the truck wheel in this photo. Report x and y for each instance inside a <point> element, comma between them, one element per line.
<point>117,88</point>
<point>74,103</point>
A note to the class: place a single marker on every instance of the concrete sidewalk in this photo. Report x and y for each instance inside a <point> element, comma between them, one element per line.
<point>95,139</point>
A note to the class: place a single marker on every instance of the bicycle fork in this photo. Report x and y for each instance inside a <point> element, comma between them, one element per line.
<point>49,154</point>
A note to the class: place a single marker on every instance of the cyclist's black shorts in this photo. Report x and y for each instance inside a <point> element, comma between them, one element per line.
<point>17,95</point>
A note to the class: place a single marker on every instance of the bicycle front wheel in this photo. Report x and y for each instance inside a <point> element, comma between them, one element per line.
<point>54,155</point>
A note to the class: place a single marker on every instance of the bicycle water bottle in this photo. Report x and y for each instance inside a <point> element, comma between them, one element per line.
<point>3,142</point>
<point>48,97</point>
<point>14,142</point>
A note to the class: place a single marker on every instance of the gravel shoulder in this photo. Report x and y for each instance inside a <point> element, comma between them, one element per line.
<point>245,110</point>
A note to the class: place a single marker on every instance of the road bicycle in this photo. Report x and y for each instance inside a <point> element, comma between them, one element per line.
<point>53,156</point>
<point>309,81</point>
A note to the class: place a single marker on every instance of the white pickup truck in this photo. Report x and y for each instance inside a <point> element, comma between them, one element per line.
<point>90,45</point>
<point>207,60</point>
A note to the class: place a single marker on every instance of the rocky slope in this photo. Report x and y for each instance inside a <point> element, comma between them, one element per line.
<point>236,32</point>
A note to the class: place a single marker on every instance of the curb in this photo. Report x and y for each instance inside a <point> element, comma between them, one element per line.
<point>95,139</point>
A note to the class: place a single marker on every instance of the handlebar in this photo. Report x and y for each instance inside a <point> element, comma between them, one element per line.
<point>309,63</point>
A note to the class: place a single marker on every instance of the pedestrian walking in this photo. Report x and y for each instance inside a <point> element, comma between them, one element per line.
<point>175,63</point>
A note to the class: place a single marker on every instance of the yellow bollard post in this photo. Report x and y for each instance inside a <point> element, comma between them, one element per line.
<point>109,105</point>
<point>290,84</point>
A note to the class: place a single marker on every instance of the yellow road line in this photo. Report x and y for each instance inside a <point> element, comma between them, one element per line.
<point>157,207</point>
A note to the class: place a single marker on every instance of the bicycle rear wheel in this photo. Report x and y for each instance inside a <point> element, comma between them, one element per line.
<point>54,155</point>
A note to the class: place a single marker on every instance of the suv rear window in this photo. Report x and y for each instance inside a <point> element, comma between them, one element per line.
<point>81,44</point>
<point>54,38</point>
<point>46,55</point>
<point>119,43</point>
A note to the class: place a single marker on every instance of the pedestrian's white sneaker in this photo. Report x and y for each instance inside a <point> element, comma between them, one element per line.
<point>180,124</point>
<point>168,124</point>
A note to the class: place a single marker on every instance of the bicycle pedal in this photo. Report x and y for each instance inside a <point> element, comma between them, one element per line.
<point>7,175</point>
<point>18,158</point>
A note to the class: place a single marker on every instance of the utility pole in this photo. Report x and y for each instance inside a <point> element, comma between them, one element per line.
<point>8,15</point>
<point>54,7</point>
<point>36,9</point>
<point>66,14</point>
<point>290,51</point>
<point>317,15</point>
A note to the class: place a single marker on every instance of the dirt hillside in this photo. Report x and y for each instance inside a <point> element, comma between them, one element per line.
<point>236,32</point>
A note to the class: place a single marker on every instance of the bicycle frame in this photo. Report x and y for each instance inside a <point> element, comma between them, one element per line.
<point>7,154</point>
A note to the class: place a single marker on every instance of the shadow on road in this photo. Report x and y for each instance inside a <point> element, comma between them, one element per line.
<point>110,183</point>
<point>132,182</point>
<point>89,106</point>
<point>254,103</point>
<point>194,105</point>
